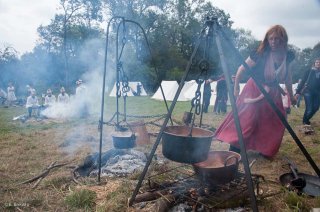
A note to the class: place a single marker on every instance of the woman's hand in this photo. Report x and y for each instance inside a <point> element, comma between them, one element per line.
<point>294,100</point>
<point>236,91</point>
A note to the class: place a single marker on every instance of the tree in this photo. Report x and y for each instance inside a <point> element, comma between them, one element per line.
<point>8,61</point>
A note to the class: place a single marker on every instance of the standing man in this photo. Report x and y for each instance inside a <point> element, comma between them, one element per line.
<point>81,89</point>
<point>139,89</point>
<point>81,95</point>
<point>206,95</point>
<point>220,105</point>
<point>310,88</point>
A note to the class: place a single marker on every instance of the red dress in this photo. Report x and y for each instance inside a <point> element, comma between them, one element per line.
<point>261,127</point>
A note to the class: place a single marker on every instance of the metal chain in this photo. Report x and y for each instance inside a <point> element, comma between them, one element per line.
<point>119,66</point>
<point>150,116</point>
<point>196,101</point>
<point>125,84</point>
<point>162,116</point>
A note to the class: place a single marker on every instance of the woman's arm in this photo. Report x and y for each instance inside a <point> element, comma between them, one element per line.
<point>239,73</point>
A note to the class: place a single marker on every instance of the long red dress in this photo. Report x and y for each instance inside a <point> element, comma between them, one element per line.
<point>261,127</point>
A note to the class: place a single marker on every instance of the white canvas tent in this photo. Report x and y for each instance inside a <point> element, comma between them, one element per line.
<point>188,91</point>
<point>169,89</point>
<point>132,86</point>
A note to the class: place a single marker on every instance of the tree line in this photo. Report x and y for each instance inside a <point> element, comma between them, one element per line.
<point>74,44</point>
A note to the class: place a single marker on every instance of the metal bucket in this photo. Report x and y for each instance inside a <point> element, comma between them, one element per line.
<point>124,140</point>
<point>179,146</point>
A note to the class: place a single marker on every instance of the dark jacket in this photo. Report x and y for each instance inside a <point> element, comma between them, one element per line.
<point>260,60</point>
<point>310,84</point>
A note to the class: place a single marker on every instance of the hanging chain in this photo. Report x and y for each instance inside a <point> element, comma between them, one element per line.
<point>119,67</point>
<point>123,77</point>
<point>196,101</point>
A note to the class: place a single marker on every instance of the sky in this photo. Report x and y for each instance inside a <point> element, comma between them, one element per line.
<point>20,19</point>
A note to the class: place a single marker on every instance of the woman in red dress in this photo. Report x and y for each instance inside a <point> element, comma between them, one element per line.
<point>262,129</point>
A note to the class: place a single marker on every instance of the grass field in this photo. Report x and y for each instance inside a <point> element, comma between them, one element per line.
<point>26,149</point>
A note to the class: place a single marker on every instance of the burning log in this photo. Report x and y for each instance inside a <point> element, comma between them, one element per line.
<point>164,203</point>
<point>149,196</point>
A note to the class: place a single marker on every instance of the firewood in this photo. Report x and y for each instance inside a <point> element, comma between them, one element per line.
<point>43,174</point>
<point>164,203</point>
<point>149,196</point>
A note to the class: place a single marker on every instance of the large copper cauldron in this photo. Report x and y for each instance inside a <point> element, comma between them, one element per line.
<point>181,146</point>
<point>221,167</point>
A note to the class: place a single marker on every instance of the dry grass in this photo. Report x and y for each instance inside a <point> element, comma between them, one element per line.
<point>28,148</point>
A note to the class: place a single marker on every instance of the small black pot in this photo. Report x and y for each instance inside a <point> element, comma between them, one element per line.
<point>124,140</point>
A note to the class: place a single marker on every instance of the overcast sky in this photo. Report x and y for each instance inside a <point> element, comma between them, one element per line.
<point>19,19</point>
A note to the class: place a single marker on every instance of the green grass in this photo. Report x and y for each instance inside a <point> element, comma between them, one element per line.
<point>83,198</point>
<point>27,148</point>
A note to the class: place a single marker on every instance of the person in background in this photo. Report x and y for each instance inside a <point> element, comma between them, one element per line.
<point>82,97</point>
<point>49,99</point>
<point>63,97</point>
<point>300,96</point>
<point>262,129</point>
<point>206,95</point>
<point>310,89</point>
<point>30,89</point>
<point>81,89</point>
<point>220,105</point>
<point>33,104</point>
<point>139,89</point>
<point>11,96</point>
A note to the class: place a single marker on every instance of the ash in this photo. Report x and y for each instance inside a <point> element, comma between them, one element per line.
<point>181,208</point>
<point>122,164</point>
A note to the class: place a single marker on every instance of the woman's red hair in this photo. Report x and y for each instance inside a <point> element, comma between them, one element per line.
<point>278,30</point>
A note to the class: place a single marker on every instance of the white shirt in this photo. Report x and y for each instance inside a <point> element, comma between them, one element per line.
<point>63,98</point>
<point>80,90</point>
<point>11,95</point>
<point>49,100</point>
<point>32,101</point>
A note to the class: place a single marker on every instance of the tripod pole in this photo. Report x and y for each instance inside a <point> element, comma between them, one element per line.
<point>165,122</point>
<point>236,121</point>
<point>101,121</point>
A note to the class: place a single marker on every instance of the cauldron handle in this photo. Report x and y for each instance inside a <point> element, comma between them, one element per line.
<point>230,157</point>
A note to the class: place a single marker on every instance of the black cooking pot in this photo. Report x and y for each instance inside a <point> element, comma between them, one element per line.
<point>124,140</point>
<point>311,188</point>
<point>179,146</point>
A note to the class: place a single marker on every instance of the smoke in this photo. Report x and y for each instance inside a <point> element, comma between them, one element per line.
<point>87,102</point>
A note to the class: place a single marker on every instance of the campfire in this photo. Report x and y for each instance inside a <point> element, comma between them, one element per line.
<point>179,189</point>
